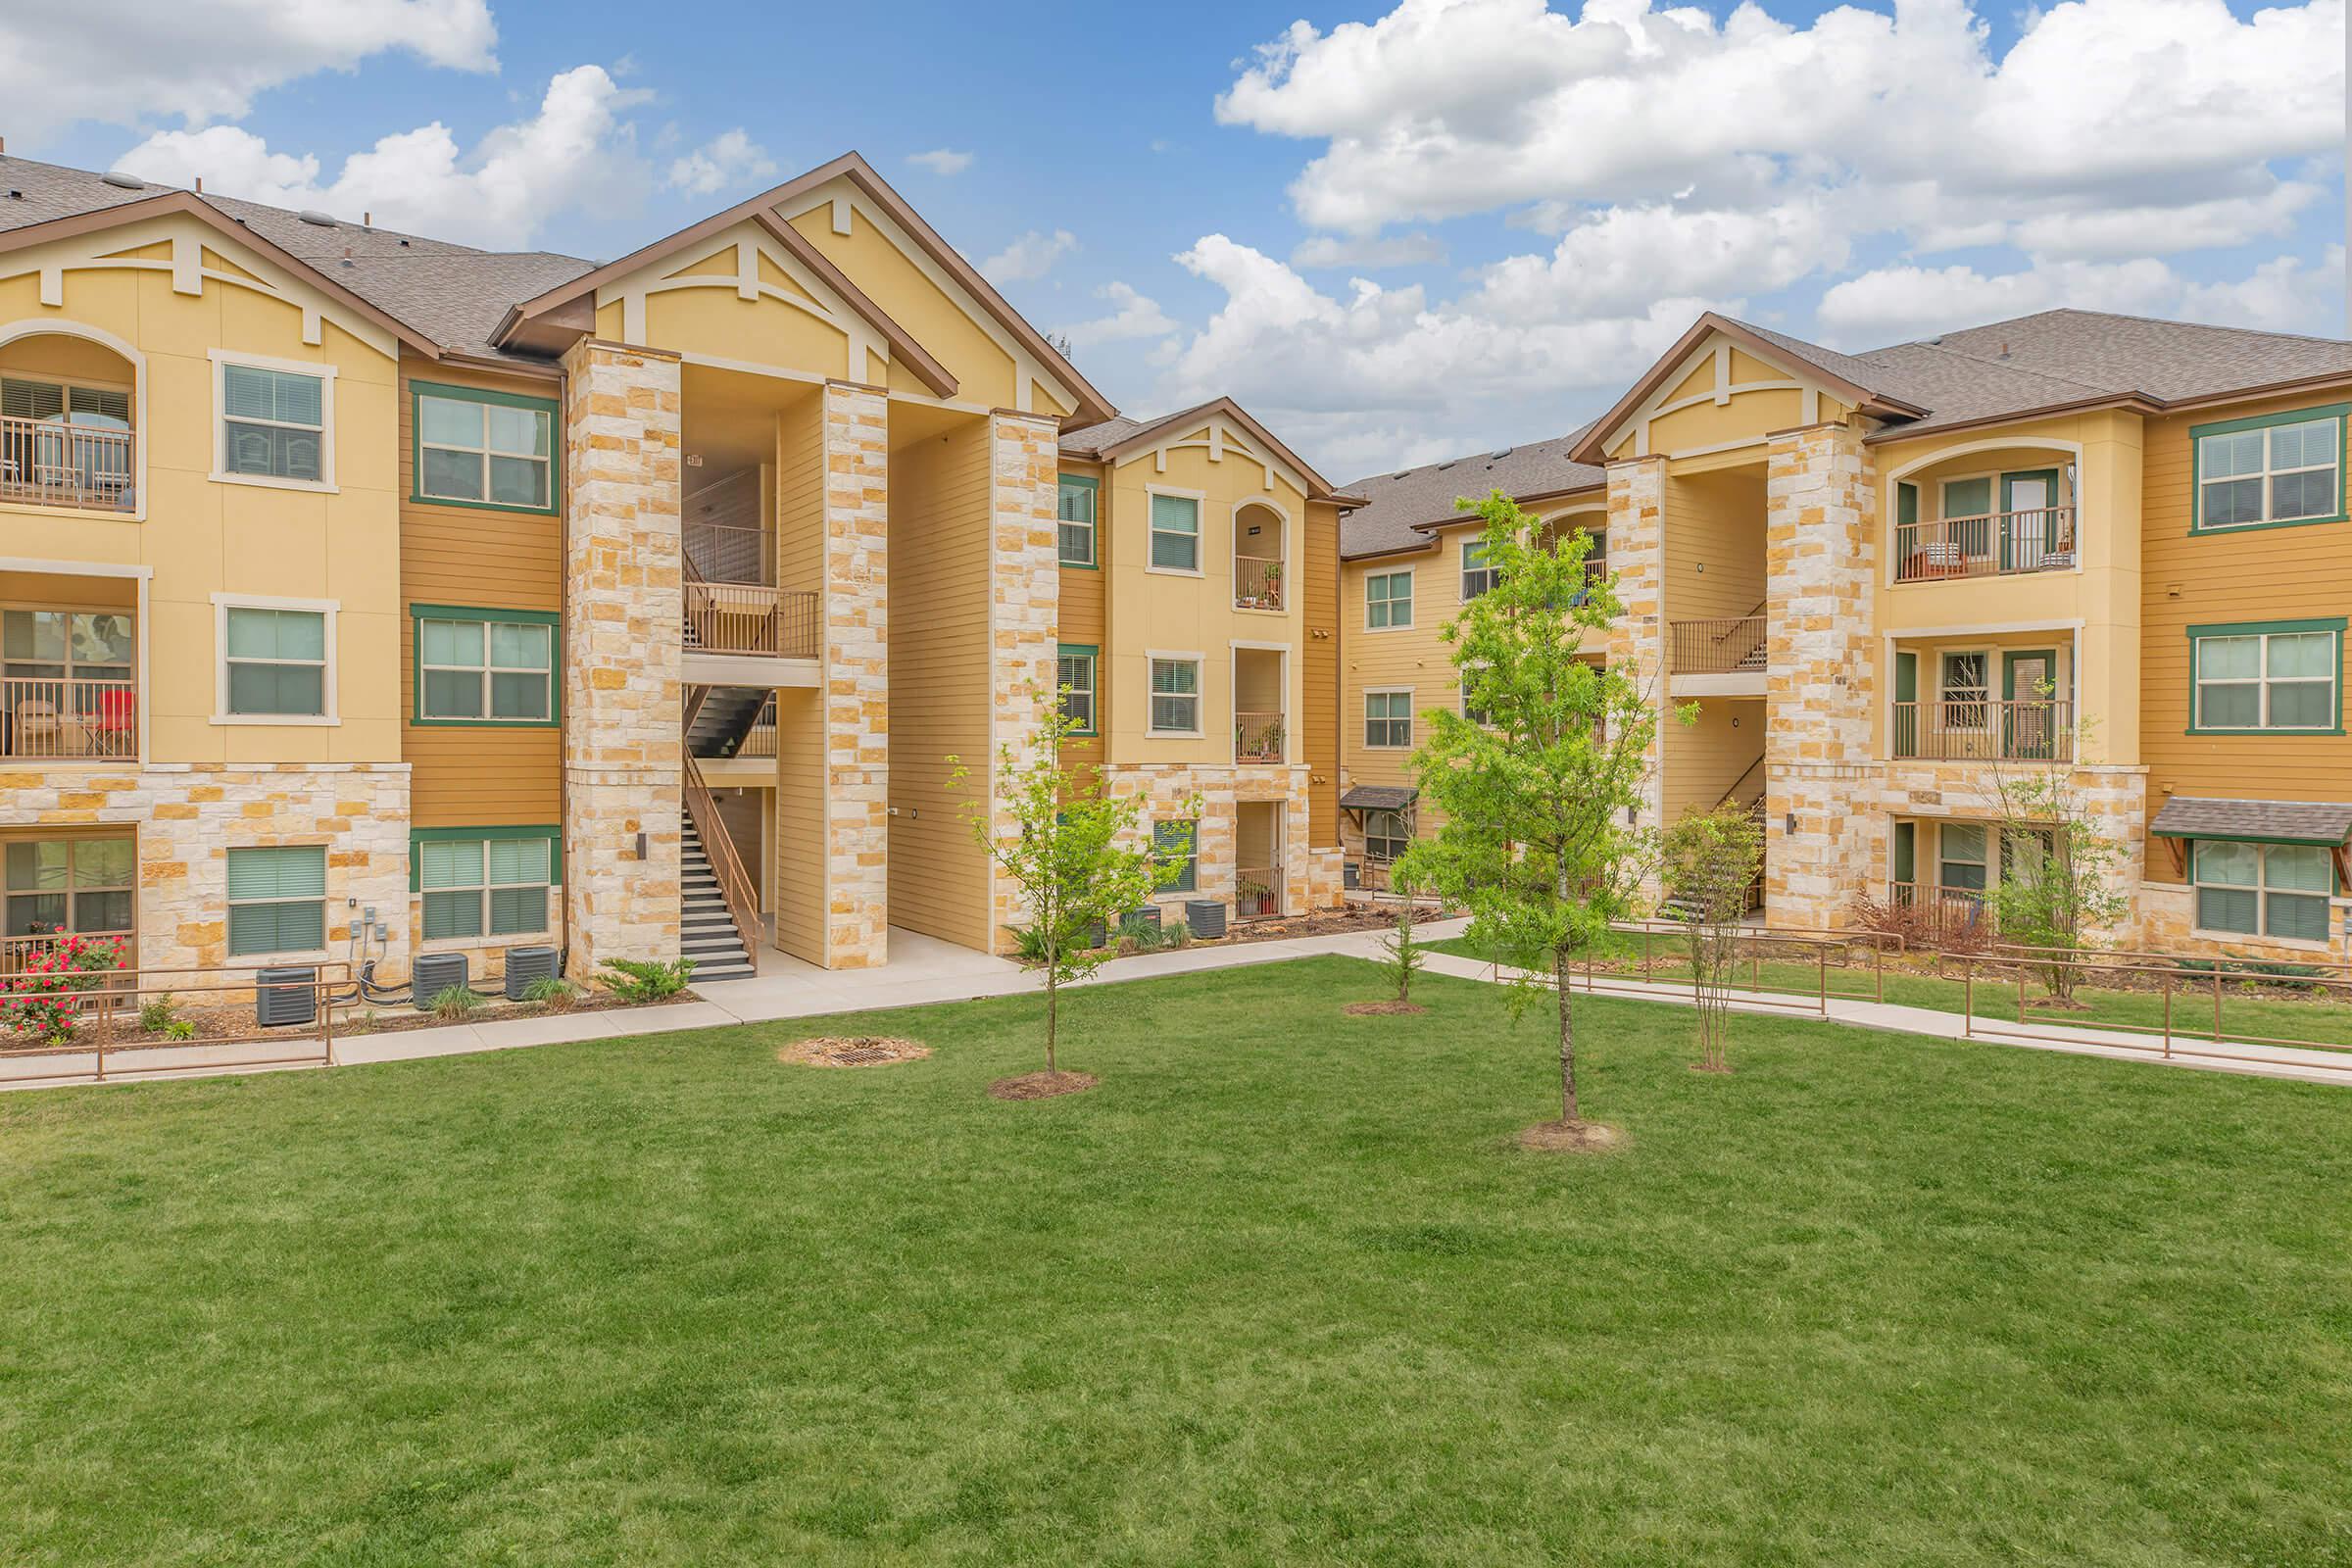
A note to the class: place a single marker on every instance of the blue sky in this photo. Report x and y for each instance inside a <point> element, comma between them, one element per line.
<point>1396,231</point>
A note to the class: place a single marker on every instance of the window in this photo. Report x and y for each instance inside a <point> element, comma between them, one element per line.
<point>1075,507</point>
<point>1178,844</point>
<point>1967,687</point>
<point>274,424</point>
<point>1388,599</point>
<point>2268,890</point>
<point>70,885</point>
<point>1470,709</point>
<point>67,644</point>
<point>486,449</point>
<point>1477,575</point>
<point>485,666</point>
<point>2275,676</point>
<point>26,399</point>
<point>274,662</point>
<point>1074,679</point>
<point>1386,835</point>
<point>276,899</point>
<point>1968,498</point>
<point>2271,470</point>
<point>1175,533</point>
<point>1389,718</point>
<point>1176,696</point>
<point>491,885</point>
<point>1960,848</point>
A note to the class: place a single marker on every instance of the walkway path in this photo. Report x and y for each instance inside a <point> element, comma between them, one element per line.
<point>923,971</point>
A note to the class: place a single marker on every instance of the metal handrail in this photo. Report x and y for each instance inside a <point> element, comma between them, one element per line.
<point>48,463</point>
<point>734,617</point>
<point>1971,729</point>
<point>734,884</point>
<point>1257,737</point>
<point>1991,544</point>
<point>1256,583</point>
<point>1262,905</point>
<point>44,716</point>
<point>1731,645</point>
<point>726,552</point>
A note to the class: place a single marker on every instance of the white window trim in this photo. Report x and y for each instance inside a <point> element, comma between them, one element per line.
<point>325,900</point>
<point>485,451</point>
<point>1200,501</point>
<point>1092,526</point>
<point>488,670</point>
<point>1093,690</point>
<point>325,484</point>
<point>1200,664</point>
<point>1470,543</point>
<point>1411,576</point>
<point>2262,907</point>
<point>222,603</point>
<point>1363,717</point>
<point>1283,537</point>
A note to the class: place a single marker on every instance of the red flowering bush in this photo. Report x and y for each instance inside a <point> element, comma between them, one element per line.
<point>43,999</point>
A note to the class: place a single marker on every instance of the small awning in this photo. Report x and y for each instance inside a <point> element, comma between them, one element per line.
<point>1378,798</point>
<point>2267,821</point>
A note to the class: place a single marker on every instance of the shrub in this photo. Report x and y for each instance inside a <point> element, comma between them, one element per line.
<point>179,1029</point>
<point>156,1016</point>
<point>1138,935</point>
<point>2298,975</point>
<point>1918,927</point>
<point>551,992</point>
<point>44,999</point>
<point>648,979</point>
<point>456,1005</point>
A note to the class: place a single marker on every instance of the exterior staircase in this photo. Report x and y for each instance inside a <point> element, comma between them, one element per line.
<point>722,720</point>
<point>707,932</point>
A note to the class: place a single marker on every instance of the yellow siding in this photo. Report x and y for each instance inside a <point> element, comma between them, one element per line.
<point>479,559</point>
<point>765,331</point>
<point>1710,757</point>
<point>2286,573</point>
<point>1319,659</point>
<point>939,691</point>
<point>1396,658</point>
<point>939,321</point>
<point>1714,545</point>
<point>1082,619</point>
<point>797,883</point>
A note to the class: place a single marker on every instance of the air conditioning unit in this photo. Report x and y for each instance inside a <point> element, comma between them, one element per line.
<point>1207,917</point>
<point>434,973</point>
<point>524,965</point>
<point>285,997</point>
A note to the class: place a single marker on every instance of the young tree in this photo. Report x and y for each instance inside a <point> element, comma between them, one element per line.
<point>1079,856</point>
<point>1403,953</point>
<point>1536,796</point>
<point>1710,862</point>
<point>2059,872</point>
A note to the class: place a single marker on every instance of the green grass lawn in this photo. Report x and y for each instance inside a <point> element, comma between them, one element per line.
<point>1279,1291</point>
<point>2248,1010</point>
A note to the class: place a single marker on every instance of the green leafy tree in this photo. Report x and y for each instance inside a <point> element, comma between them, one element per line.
<point>1079,856</point>
<point>2061,876</point>
<point>1537,795</point>
<point>1711,861</point>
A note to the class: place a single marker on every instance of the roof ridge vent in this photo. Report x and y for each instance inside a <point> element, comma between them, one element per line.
<point>122,181</point>
<point>311,214</point>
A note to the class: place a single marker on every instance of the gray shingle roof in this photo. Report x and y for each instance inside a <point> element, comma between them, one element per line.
<point>1399,501</point>
<point>2285,822</point>
<point>1379,798</point>
<point>451,294</point>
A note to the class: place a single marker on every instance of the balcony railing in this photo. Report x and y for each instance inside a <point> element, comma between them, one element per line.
<point>726,552</point>
<point>1256,583</point>
<point>1730,646</point>
<point>2032,730</point>
<point>1945,909</point>
<point>48,463</point>
<point>18,953</point>
<point>1257,737</point>
<point>747,617</point>
<point>1996,544</point>
<point>43,717</point>
<point>1257,893</point>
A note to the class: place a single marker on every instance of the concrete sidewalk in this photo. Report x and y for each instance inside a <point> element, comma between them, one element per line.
<point>923,972</point>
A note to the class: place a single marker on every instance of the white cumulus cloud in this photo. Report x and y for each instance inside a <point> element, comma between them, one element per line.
<point>942,161</point>
<point>1326,252</point>
<point>1029,258</point>
<point>134,62</point>
<point>575,152</point>
<point>730,158</point>
<point>1132,316</point>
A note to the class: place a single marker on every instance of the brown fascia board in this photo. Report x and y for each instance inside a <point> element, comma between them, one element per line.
<point>1319,488</point>
<point>1093,405</point>
<point>902,346</point>
<point>1593,448</point>
<point>188,203</point>
<point>1422,548</point>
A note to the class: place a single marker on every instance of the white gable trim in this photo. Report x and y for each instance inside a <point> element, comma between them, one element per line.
<point>1720,390</point>
<point>1222,439</point>
<point>748,244</point>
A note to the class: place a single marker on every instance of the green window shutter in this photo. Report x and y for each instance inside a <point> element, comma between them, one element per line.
<point>1906,504</point>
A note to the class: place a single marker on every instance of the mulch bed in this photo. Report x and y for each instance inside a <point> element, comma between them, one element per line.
<point>1571,1138</point>
<point>223,1022</point>
<point>1041,1085</point>
<point>852,1051</point>
<point>1326,923</point>
<point>1375,1009</point>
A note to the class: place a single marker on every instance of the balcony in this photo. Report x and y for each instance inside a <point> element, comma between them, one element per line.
<point>1995,544</point>
<point>49,718</point>
<point>2037,730</point>
<point>1256,583</point>
<point>1721,657</point>
<point>750,620</point>
<point>1257,737</point>
<point>1943,911</point>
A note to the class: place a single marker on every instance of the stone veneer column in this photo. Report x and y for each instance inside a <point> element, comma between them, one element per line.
<point>623,655</point>
<point>1638,636</point>
<point>856,676</point>
<point>1024,609</point>
<point>1820,564</point>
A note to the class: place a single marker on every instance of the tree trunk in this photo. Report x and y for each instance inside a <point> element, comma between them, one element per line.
<point>1053,1001</point>
<point>1560,961</point>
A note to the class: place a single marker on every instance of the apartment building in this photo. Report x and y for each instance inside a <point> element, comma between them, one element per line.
<point>366,595</point>
<point>2071,540</point>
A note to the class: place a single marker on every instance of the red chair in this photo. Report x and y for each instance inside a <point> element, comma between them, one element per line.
<point>113,722</point>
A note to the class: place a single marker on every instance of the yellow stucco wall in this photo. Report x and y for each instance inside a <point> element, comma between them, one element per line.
<point>201,536</point>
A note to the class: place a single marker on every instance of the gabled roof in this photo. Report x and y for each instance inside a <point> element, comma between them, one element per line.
<point>1400,509</point>
<point>765,209</point>
<point>55,212</point>
<point>1111,439</point>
